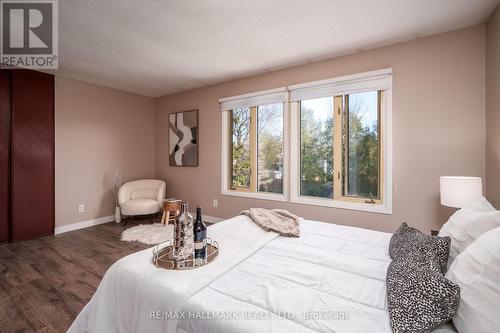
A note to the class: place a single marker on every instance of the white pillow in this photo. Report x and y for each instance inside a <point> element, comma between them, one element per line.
<point>480,204</point>
<point>468,223</point>
<point>477,272</point>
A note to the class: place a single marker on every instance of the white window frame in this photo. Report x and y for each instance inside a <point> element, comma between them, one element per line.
<point>254,99</point>
<point>369,81</point>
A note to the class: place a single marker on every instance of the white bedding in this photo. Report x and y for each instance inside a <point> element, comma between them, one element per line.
<point>134,288</point>
<point>331,271</point>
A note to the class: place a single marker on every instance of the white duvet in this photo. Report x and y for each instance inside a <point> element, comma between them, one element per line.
<point>331,279</point>
<point>330,270</point>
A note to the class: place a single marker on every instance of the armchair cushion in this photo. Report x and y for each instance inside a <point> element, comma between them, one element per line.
<point>140,207</point>
<point>141,197</point>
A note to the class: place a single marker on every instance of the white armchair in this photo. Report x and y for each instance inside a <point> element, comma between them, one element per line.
<point>141,197</point>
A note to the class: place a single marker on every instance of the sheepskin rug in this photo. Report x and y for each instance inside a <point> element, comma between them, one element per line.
<point>150,234</point>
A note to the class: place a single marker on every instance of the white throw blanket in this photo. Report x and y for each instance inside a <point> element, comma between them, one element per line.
<point>134,288</point>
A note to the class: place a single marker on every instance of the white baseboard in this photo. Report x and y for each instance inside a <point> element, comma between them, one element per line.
<point>110,218</point>
<point>83,224</point>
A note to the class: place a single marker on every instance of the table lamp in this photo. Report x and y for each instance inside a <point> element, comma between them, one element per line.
<point>459,191</point>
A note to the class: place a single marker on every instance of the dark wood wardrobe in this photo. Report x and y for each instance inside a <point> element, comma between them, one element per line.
<point>26,155</point>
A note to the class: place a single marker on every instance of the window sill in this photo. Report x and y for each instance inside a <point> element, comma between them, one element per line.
<point>372,208</point>
<point>256,195</point>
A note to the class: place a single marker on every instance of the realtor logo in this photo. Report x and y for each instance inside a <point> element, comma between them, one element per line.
<point>29,37</point>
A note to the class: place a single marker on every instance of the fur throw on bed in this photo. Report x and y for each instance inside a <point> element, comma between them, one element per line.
<point>280,221</point>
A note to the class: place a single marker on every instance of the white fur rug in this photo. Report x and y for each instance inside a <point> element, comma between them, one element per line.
<point>150,234</point>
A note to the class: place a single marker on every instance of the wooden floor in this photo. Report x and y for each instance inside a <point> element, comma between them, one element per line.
<point>45,282</point>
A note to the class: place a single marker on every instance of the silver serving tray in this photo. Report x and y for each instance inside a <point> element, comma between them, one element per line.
<point>163,256</point>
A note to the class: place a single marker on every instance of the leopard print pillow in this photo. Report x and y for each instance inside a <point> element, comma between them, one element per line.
<point>419,297</point>
<point>406,240</point>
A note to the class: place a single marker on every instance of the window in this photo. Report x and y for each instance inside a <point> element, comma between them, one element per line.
<point>361,149</point>
<point>254,146</point>
<point>344,144</point>
<point>316,147</point>
<point>270,148</point>
<point>341,142</point>
<point>241,121</point>
<point>333,136</point>
<point>257,148</point>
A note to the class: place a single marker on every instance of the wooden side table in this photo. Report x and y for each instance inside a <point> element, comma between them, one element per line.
<point>171,209</point>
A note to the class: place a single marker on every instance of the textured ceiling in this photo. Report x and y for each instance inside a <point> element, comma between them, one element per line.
<point>159,47</point>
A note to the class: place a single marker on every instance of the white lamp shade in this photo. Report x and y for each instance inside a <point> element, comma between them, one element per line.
<point>459,191</point>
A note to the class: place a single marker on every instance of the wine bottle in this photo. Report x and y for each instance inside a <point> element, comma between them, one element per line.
<point>200,238</point>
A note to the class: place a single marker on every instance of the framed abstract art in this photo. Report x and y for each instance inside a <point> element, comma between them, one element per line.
<point>183,138</point>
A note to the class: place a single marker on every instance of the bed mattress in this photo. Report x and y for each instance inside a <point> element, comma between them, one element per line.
<point>331,279</point>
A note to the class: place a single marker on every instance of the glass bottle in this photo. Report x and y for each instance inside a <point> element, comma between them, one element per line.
<point>200,239</point>
<point>183,235</point>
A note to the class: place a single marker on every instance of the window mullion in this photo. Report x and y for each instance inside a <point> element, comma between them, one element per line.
<point>230,151</point>
<point>253,148</point>
<point>381,140</point>
<point>337,148</point>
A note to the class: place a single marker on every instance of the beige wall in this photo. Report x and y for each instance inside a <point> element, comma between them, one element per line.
<point>493,108</point>
<point>98,131</point>
<point>439,128</point>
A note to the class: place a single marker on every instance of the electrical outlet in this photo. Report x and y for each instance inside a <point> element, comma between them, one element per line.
<point>215,203</point>
<point>81,208</point>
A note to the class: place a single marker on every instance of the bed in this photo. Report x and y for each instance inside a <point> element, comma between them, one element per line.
<point>331,279</point>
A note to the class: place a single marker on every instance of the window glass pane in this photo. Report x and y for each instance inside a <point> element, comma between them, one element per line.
<point>240,148</point>
<point>363,145</point>
<point>316,147</point>
<point>270,148</point>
